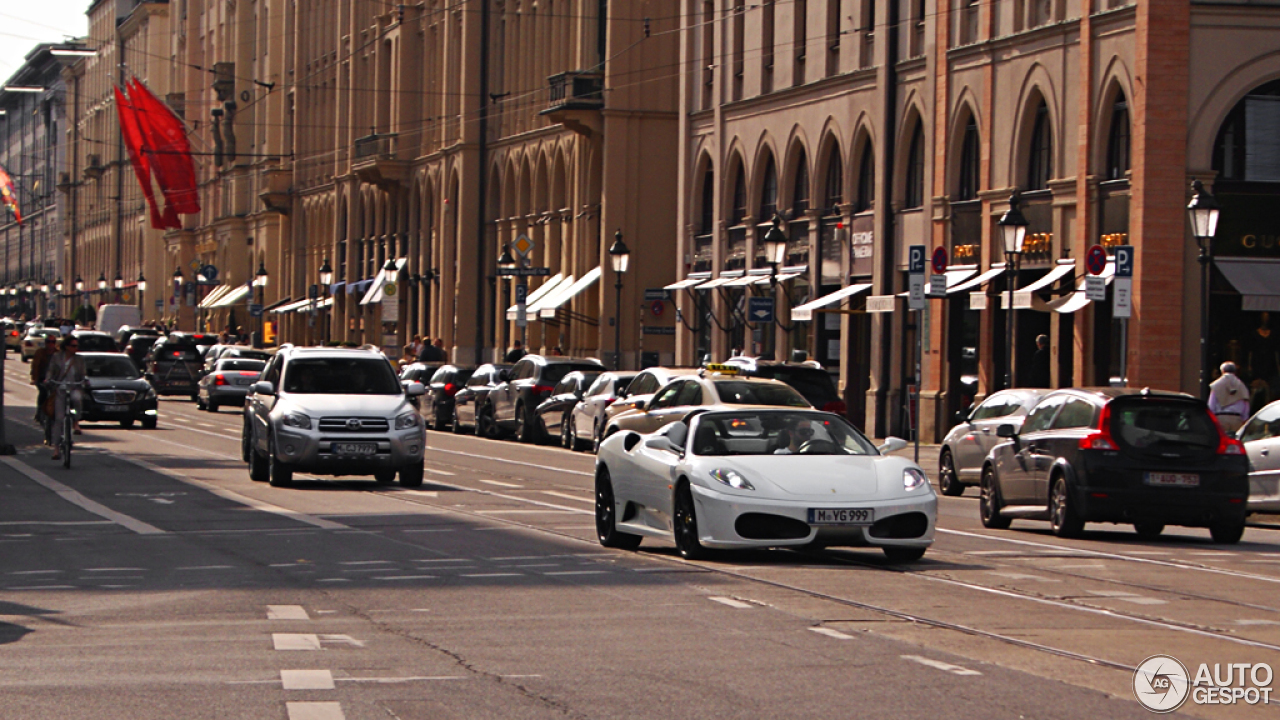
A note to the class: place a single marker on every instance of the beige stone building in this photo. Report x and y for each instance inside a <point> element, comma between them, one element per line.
<point>109,243</point>
<point>871,127</point>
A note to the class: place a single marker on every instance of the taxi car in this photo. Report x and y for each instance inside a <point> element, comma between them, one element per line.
<point>726,477</point>
<point>712,385</point>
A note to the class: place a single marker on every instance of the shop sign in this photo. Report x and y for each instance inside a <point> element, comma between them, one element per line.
<point>977,301</point>
<point>880,304</point>
<point>862,245</point>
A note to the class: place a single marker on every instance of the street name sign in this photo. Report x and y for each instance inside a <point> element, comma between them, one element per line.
<point>760,309</point>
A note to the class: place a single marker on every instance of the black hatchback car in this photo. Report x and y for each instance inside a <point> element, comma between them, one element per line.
<point>525,386</point>
<point>1118,455</point>
<point>436,406</point>
<point>174,366</point>
<point>469,402</point>
<point>116,392</point>
<point>556,412</point>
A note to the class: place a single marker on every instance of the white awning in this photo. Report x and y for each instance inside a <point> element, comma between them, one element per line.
<point>556,283</point>
<point>234,296</point>
<point>1256,279</point>
<point>291,306</point>
<point>986,277</point>
<point>1022,296</point>
<point>213,296</point>
<point>752,276</point>
<point>320,305</point>
<point>782,277</point>
<point>1073,301</point>
<point>956,275</point>
<point>693,279</point>
<point>374,293</point>
<point>548,308</point>
<point>722,280</point>
<point>805,312</point>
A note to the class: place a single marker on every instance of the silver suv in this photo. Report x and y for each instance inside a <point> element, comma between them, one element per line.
<point>332,411</point>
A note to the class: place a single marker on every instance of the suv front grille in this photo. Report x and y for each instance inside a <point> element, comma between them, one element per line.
<point>353,424</point>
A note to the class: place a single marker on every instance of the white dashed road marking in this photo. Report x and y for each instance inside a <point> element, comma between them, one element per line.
<point>1024,576</point>
<point>831,633</point>
<point>315,711</point>
<point>730,602</point>
<point>943,666</point>
<point>433,471</point>
<point>1126,597</point>
<point>567,496</point>
<point>287,612</point>
<point>501,484</point>
<point>295,641</point>
<point>306,679</point>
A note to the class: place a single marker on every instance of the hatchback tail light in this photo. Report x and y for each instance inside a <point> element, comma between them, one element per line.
<point>219,379</point>
<point>450,389</point>
<point>248,373</point>
<point>1102,439</point>
<point>542,389</point>
<point>835,406</point>
<point>1227,445</point>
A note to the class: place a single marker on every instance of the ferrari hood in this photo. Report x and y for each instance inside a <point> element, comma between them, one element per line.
<point>818,476</point>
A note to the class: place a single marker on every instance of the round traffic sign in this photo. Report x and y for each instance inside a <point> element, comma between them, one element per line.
<point>940,260</point>
<point>390,289</point>
<point>1096,260</point>
<point>657,307</point>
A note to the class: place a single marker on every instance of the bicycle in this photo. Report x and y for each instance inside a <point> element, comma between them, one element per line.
<point>68,424</point>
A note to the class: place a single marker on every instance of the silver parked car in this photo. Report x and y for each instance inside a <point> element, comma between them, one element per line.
<point>967,445</point>
<point>227,382</point>
<point>331,411</point>
<point>1261,438</point>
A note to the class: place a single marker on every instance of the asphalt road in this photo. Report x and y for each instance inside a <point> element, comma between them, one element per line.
<point>154,580</point>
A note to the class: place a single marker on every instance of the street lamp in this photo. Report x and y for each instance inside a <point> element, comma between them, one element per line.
<point>102,281</point>
<point>1203,210</point>
<point>118,282</point>
<point>260,282</point>
<point>142,288</point>
<point>326,279</point>
<point>57,286</point>
<point>1013,230</point>
<point>505,260</point>
<point>775,253</point>
<point>619,259</point>
<point>390,271</point>
<point>79,284</point>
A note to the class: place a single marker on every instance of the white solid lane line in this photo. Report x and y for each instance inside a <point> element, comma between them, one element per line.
<point>306,679</point>
<point>287,612</point>
<point>831,633</point>
<point>731,602</point>
<point>295,641</point>
<point>938,664</point>
<point>75,498</point>
<point>315,711</point>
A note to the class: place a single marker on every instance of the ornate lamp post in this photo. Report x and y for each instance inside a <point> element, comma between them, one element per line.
<point>619,259</point>
<point>260,281</point>
<point>1013,231</point>
<point>775,253</point>
<point>142,288</point>
<point>326,279</point>
<point>1203,211</point>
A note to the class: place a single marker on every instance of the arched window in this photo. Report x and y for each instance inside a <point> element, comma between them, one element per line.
<point>768,192</point>
<point>914,196</point>
<point>866,180</point>
<point>1040,159</point>
<point>1118,140</point>
<point>1247,149</point>
<point>834,192</point>
<point>739,210</point>
<point>708,203</point>
<point>970,162</point>
<point>800,189</point>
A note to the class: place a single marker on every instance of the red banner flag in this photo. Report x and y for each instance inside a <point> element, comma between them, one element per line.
<point>8,196</point>
<point>167,150</point>
<point>133,142</point>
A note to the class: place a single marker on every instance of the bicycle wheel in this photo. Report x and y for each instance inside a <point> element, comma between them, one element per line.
<point>65,448</point>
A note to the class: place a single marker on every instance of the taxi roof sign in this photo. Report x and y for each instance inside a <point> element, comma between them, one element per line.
<point>722,368</point>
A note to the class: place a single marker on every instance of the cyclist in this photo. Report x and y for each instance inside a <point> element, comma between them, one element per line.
<point>64,368</point>
<point>39,364</point>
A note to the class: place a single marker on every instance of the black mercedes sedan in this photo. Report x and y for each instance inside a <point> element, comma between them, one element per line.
<point>117,391</point>
<point>1118,455</point>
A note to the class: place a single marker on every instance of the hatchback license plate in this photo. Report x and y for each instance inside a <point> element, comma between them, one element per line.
<point>354,448</point>
<point>841,516</point>
<point>114,408</point>
<point>1172,479</point>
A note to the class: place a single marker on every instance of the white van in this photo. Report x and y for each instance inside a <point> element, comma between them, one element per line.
<point>112,317</point>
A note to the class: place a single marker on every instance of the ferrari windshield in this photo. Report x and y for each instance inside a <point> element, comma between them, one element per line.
<point>765,432</point>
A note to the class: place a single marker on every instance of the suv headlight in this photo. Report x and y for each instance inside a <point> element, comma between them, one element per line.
<point>732,478</point>
<point>407,420</point>
<point>151,393</point>
<point>297,420</point>
<point>913,478</point>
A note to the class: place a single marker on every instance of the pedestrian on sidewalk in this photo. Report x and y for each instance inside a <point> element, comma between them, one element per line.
<point>1229,399</point>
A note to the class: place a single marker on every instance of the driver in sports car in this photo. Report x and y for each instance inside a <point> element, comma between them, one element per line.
<point>790,439</point>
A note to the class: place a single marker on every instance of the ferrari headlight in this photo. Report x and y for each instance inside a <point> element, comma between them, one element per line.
<point>732,478</point>
<point>298,420</point>
<point>913,478</point>
<point>407,420</point>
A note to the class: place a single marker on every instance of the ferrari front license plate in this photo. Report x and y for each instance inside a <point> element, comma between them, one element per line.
<point>1172,479</point>
<point>354,448</point>
<point>841,516</point>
